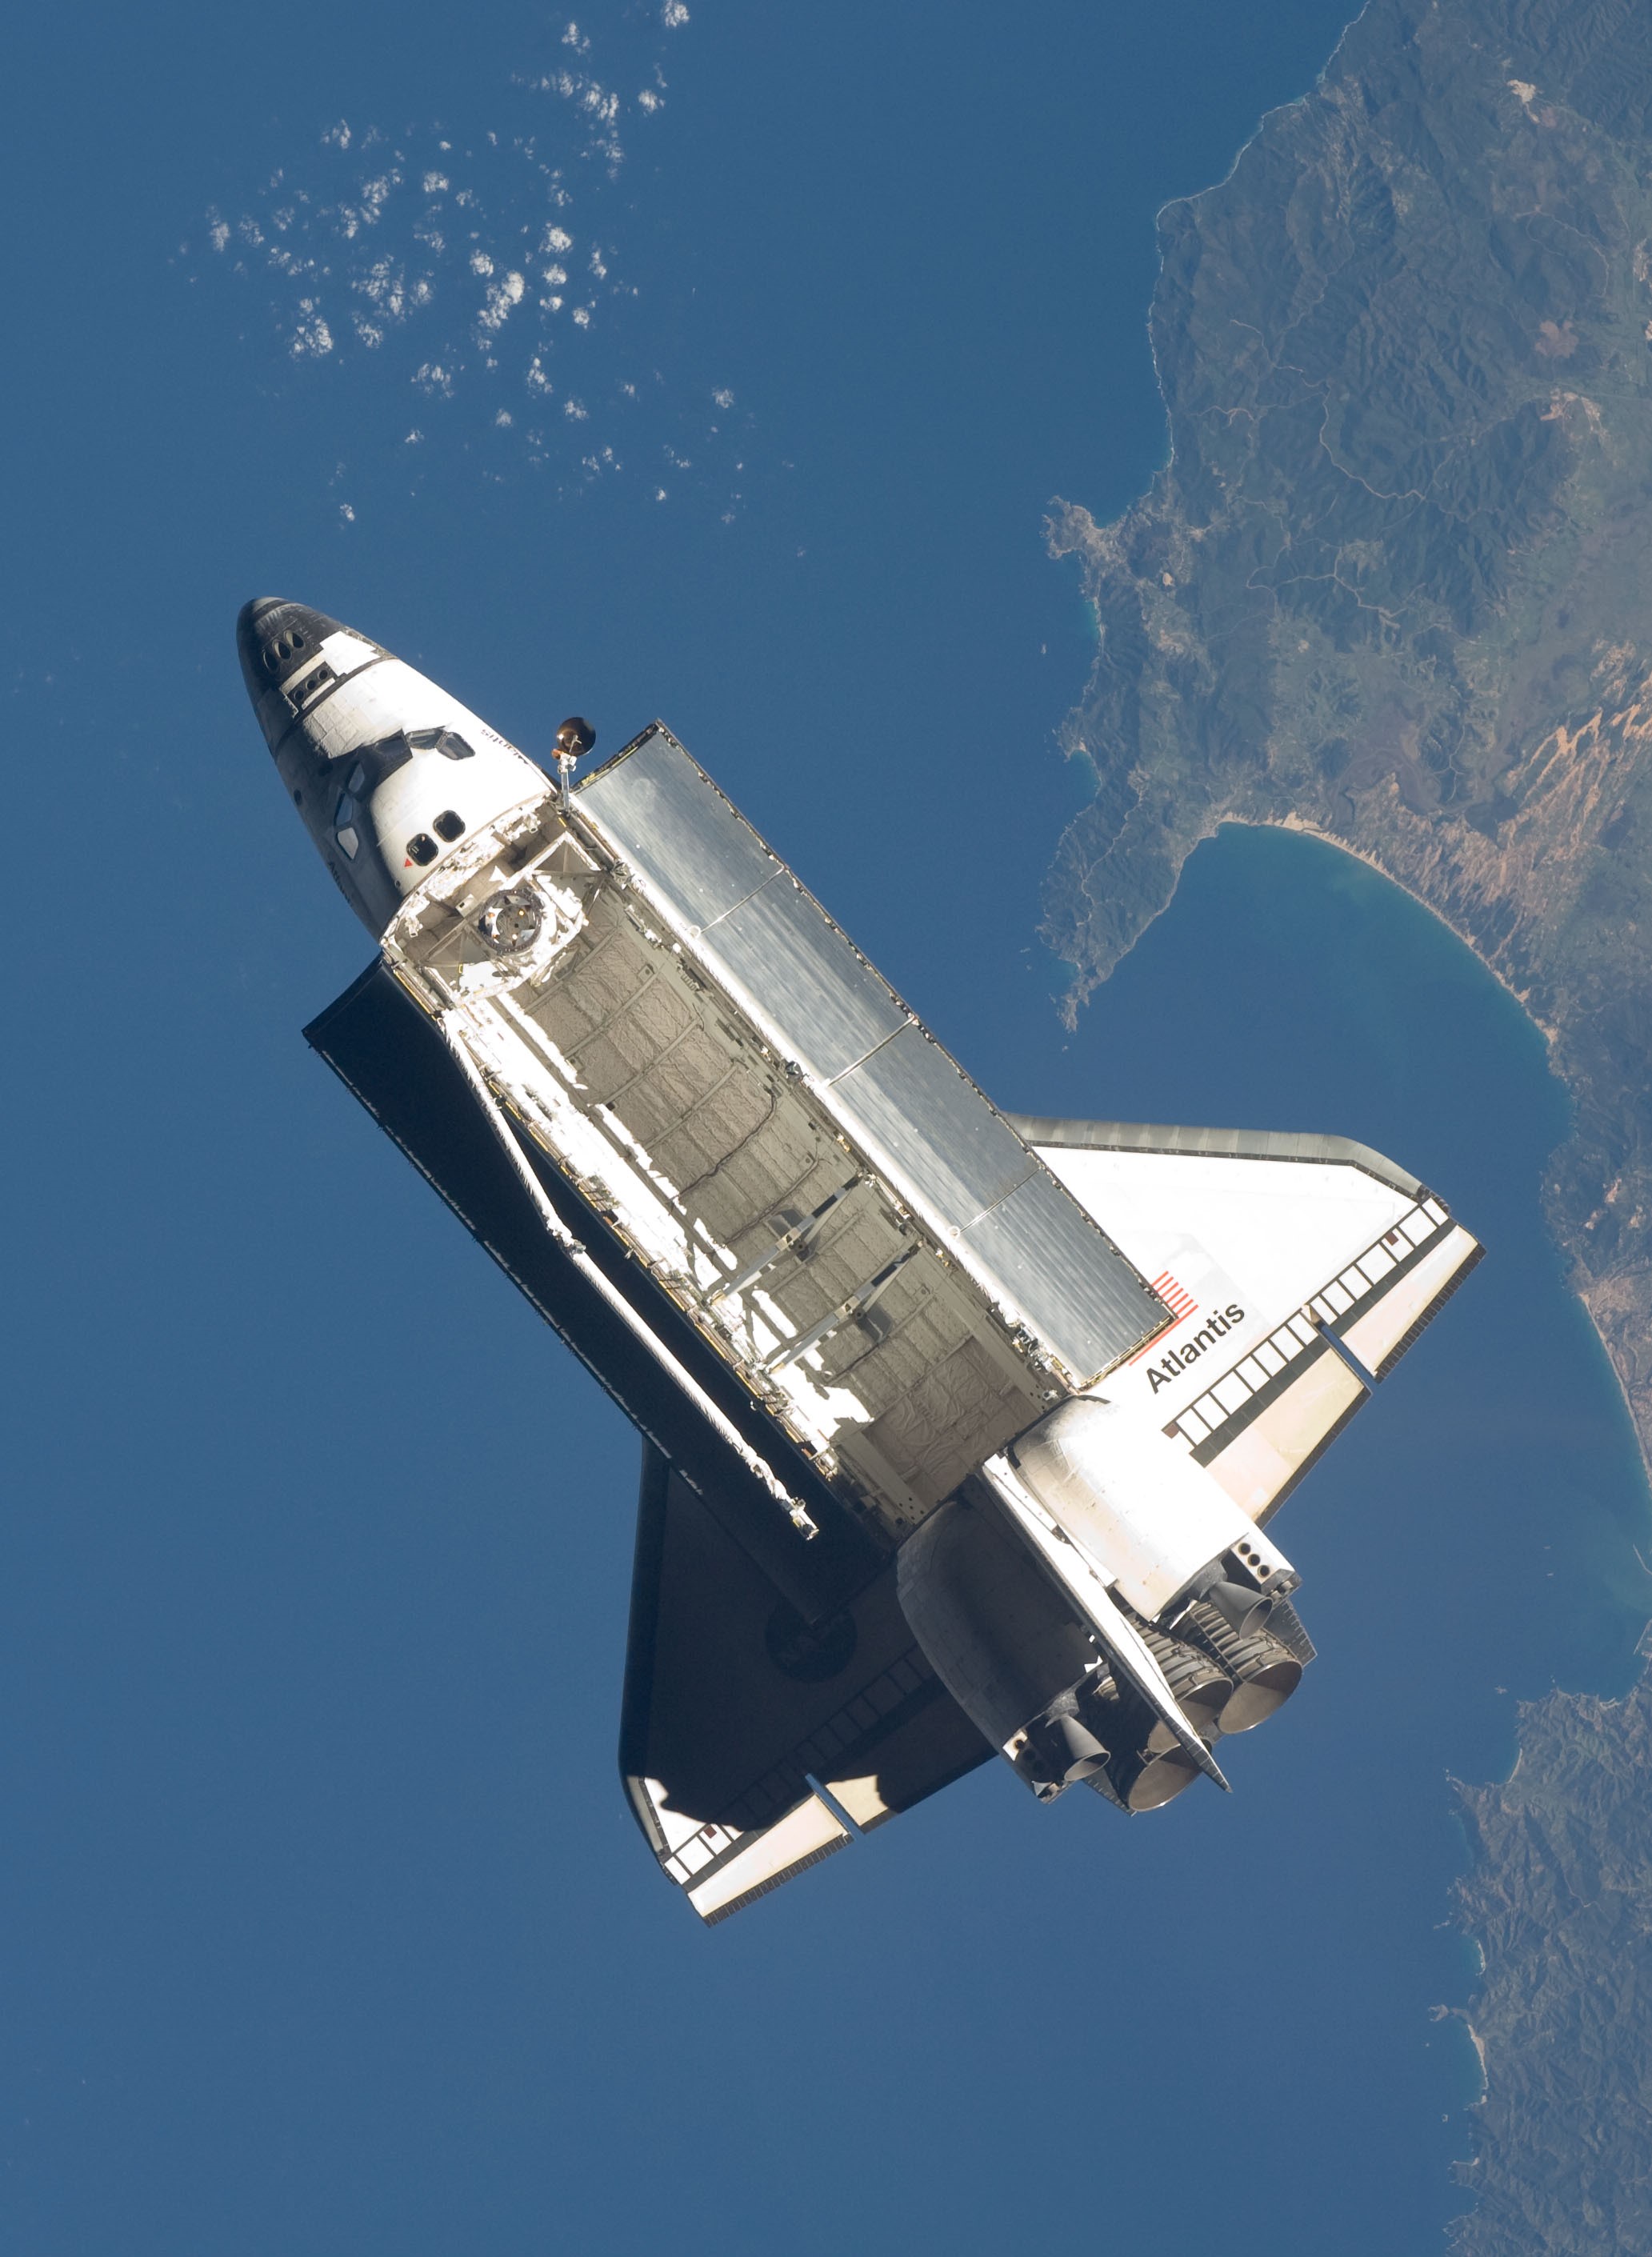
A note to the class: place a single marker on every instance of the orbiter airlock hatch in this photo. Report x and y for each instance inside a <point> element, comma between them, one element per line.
<point>963,1432</point>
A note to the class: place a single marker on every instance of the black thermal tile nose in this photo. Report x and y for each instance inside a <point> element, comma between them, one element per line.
<point>275,637</point>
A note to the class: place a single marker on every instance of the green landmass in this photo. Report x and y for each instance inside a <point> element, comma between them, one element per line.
<point>1393,586</point>
<point>1395,583</point>
<point>1560,1897</point>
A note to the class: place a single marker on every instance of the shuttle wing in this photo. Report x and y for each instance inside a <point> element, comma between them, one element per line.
<point>1300,1266</point>
<point>752,1743</point>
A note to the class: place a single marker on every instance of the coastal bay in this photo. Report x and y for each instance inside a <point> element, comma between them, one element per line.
<point>1390,590</point>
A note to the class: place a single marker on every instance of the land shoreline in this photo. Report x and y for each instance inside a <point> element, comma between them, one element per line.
<point>1301,823</point>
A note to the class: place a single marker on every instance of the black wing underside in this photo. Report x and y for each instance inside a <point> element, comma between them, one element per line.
<point>752,1745</point>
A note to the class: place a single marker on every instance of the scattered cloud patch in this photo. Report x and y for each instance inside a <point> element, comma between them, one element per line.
<point>503,295</point>
<point>311,338</point>
<point>440,258</point>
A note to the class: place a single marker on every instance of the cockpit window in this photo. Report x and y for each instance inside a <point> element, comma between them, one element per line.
<point>448,742</point>
<point>448,825</point>
<point>344,822</point>
<point>422,848</point>
<point>372,763</point>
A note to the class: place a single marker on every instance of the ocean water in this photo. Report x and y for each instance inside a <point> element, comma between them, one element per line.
<point>1468,1541</point>
<point>322,1923</point>
<point>1291,985</point>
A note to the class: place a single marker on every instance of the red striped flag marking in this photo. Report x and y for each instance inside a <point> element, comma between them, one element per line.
<point>1177,1299</point>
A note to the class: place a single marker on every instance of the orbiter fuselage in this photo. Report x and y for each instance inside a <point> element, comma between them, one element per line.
<point>960,1430</point>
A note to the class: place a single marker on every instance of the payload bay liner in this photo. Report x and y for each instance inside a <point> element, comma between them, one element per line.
<point>962,1432</point>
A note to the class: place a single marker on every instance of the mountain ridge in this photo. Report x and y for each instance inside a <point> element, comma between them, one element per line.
<point>1393,586</point>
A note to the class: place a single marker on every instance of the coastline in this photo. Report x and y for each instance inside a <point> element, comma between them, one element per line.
<point>1338,594</point>
<point>1460,2014</point>
<point>1298,822</point>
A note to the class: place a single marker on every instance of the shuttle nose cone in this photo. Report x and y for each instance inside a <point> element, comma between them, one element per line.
<point>275,638</point>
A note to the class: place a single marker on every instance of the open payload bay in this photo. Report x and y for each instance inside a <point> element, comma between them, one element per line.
<point>964,1433</point>
<point>681,1030</point>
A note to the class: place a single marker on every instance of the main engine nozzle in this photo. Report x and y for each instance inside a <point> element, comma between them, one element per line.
<point>1264,1670</point>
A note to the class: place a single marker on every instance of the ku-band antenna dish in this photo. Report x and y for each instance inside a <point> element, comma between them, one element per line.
<point>573,739</point>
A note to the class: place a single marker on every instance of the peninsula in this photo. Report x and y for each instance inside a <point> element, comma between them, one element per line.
<point>1393,586</point>
<point>1395,583</point>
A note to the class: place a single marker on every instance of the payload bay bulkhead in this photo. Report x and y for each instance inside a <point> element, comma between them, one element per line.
<point>962,1432</point>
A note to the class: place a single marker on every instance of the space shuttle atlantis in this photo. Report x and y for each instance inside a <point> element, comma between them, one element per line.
<point>962,1432</point>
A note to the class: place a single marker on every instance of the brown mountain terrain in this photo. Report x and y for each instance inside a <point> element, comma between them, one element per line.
<point>1395,586</point>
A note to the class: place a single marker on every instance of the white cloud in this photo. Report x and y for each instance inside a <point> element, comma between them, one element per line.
<point>311,338</point>
<point>502,296</point>
<point>385,286</point>
<point>723,398</point>
<point>496,211</point>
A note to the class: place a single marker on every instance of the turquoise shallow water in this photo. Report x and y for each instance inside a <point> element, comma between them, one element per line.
<point>1291,985</point>
<point>1471,1538</point>
<point>323,1925</point>
<point>1469,1542</point>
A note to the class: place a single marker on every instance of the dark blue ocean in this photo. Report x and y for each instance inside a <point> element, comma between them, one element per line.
<point>323,1925</point>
